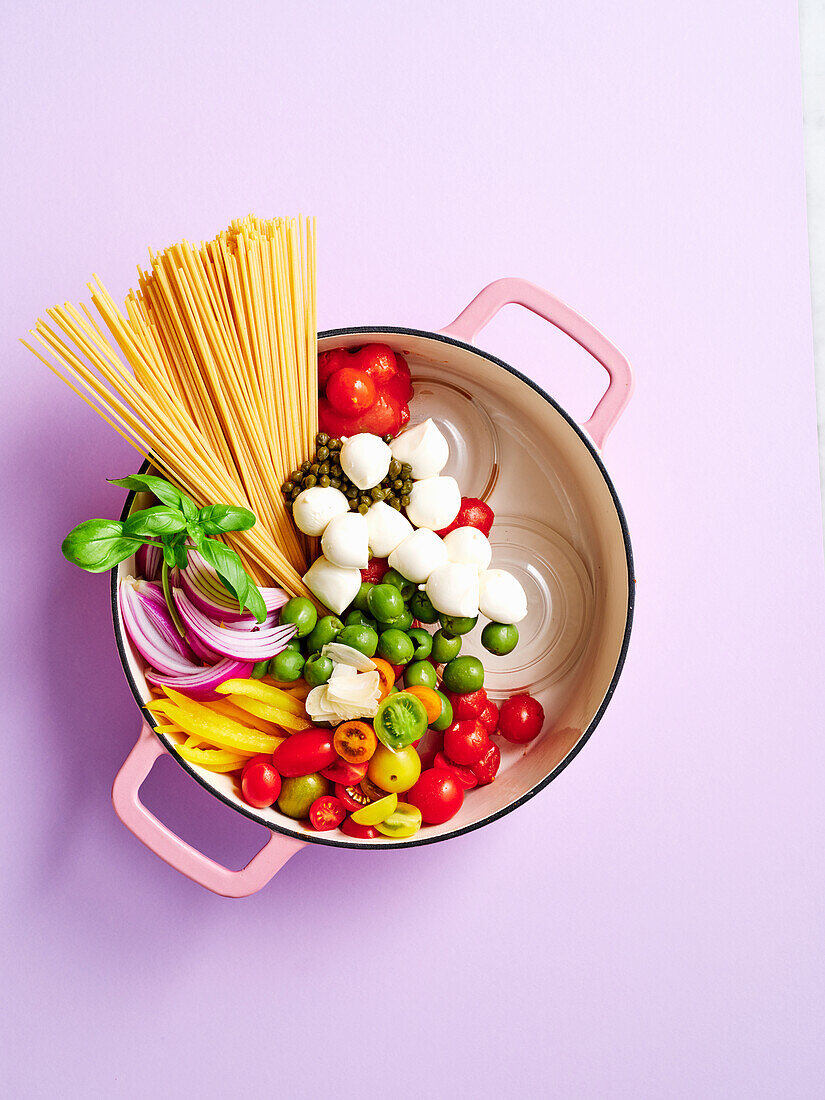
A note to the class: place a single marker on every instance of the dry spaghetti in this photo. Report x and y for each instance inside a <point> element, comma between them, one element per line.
<point>219,384</point>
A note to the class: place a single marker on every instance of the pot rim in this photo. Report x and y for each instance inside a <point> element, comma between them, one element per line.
<point>388,845</point>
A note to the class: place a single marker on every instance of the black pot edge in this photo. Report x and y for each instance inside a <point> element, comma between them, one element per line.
<point>586,735</point>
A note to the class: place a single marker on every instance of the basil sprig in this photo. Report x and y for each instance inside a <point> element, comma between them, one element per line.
<point>100,544</point>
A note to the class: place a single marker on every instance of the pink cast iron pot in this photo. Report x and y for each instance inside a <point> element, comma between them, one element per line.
<point>559,527</point>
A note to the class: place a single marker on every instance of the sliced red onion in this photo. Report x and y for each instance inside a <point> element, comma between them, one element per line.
<point>201,683</point>
<point>154,603</point>
<point>147,639</point>
<point>148,561</point>
<point>207,592</point>
<point>207,655</point>
<point>243,645</point>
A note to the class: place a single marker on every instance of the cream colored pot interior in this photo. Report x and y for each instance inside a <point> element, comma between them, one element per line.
<point>557,527</point>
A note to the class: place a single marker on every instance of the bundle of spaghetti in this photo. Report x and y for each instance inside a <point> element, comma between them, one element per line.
<point>219,385</point>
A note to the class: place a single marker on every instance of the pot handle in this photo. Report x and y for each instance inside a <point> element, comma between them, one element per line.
<point>176,852</point>
<point>502,292</point>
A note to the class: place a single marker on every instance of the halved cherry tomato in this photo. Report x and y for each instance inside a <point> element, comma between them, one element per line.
<point>466,742</point>
<point>386,676</point>
<point>438,795</point>
<point>489,717</point>
<point>430,699</point>
<point>326,812</point>
<point>486,769</point>
<point>375,571</point>
<point>355,742</point>
<point>350,390</point>
<point>304,753</point>
<point>352,797</point>
<point>520,719</point>
<point>362,832</point>
<point>466,776</point>
<point>467,704</point>
<point>376,811</point>
<point>350,775</point>
<point>260,782</point>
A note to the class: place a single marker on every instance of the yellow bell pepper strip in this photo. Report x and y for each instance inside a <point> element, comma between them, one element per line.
<point>229,710</point>
<point>296,689</point>
<point>214,760</point>
<point>219,730</point>
<point>271,714</point>
<point>264,693</point>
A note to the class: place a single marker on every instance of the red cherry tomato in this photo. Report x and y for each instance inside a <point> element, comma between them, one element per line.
<point>350,390</point>
<point>260,783</point>
<point>351,796</point>
<point>265,756</point>
<point>431,743</point>
<point>486,769</point>
<point>378,361</point>
<point>489,717</point>
<point>467,704</point>
<point>305,752</point>
<point>472,513</point>
<point>520,719</point>
<point>362,832</point>
<point>329,362</point>
<point>400,387</point>
<point>375,571</point>
<point>326,812</point>
<point>438,795</point>
<point>466,742</point>
<point>465,776</point>
<point>349,775</point>
<point>382,417</point>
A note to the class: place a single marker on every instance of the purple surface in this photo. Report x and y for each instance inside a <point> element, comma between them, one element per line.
<point>651,925</point>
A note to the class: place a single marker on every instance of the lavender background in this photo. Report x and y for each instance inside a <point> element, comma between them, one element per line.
<point>651,925</point>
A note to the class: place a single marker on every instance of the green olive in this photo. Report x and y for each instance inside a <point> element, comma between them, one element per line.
<point>500,638</point>
<point>286,666</point>
<point>325,630</point>
<point>445,647</point>
<point>301,611</point>
<point>423,642</point>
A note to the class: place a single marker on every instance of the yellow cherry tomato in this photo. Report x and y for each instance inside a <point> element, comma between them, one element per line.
<point>376,811</point>
<point>404,822</point>
<point>395,771</point>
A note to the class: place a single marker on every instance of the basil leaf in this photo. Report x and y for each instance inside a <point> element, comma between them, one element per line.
<point>189,508</point>
<point>196,533</point>
<point>181,555</point>
<point>97,545</point>
<point>169,554</point>
<point>229,568</point>
<point>148,483</point>
<point>160,520</point>
<point>225,517</point>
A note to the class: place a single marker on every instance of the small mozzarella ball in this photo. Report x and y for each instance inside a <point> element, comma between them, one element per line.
<point>453,589</point>
<point>418,555</point>
<point>315,507</point>
<point>470,546</point>
<point>365,459</point>
<point>434,502</point>
<point>345,541</point>
<point>335,587</point>
<point>501,597</point>
<point>424,447</point>
<point>387,528</point>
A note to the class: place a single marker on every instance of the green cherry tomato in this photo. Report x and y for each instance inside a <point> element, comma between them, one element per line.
<point>403,621</point>
<point>400,720</point>
<point>317,670</point>
<point>404,821</point>
<point>360,601</point>
<point>286,666</point>
<point>301,611</point>
<point>325,630</point>
<point>420,673</point>
<point>445,647</point>
<point>362,638</point>
<point>500,638</point>
<point>405,587</point>
<point>385,602</point>
<point>455,625</point>
<point>394,771</point>
<point>259,669</point>
<point>446,717</point>
<point>422,608</point>
<point>395,646</point>
<point>463,674</point>
<point>297,795</point>
<point>358,618</point>
<point>422,641</point>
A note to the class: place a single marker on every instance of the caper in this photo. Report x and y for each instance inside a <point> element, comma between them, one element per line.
<point>305,465</point>
<point>366,499</point>
<point>405,500</point>
<point>398,483</point>
<point>335,482</point>
<point>322,453</point>
<point>407,487</point>
<point>378,493</point>
<point>351,492</point>
<point>323,481</point>
<point>295,476</point>
<point>395,468</point>
<point>286,487</point>
<point>334,444</point>
<point>321,437</point>
<point>296,489</point>
<point>323,468</point>
<point>387,438</point>
<point>288,503</point>
<point>406,469</point>
<point>395,503</point>
<point>363,509</point>
<point>309,481</point>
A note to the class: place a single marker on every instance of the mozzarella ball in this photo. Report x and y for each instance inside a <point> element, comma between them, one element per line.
<point>365,459</point>
<point>335,587</point>
<point>418,555</point>
<point>453,589</point>
<point>470,546</point>
<point>315,507</point>
<point>424,447</point>
<point>501,597</point>
<point>345,541</point>
<point>434,502</point>
<point>387,528</point>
